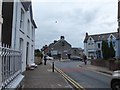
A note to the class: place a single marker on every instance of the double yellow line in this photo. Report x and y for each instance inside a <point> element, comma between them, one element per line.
<point>71,81</point>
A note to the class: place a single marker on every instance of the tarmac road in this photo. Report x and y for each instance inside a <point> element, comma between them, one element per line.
<point>85,77</point>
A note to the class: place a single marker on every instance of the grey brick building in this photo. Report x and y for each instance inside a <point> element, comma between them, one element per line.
<point>60,49</point>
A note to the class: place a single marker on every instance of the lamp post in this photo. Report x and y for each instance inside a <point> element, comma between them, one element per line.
<point>118,45</point>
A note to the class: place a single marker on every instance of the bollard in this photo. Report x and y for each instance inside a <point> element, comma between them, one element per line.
<point>53,66</point>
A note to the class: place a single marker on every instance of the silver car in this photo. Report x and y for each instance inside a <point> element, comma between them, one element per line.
<point>115,82</point>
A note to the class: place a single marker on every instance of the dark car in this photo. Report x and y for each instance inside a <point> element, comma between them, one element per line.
<point>76,58</point>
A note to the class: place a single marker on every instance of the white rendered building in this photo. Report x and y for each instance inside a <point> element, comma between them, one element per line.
<point>93,44</point>
<point>17,42</point>
<point>21,35</point>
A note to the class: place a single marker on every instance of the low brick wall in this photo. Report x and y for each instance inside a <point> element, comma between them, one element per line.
<point>110,64</point>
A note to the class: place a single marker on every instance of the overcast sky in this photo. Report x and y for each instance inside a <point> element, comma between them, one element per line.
<point>72,19</point>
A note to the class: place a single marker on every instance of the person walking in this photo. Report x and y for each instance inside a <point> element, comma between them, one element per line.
<point>45,59</point>
<point>85,59</point>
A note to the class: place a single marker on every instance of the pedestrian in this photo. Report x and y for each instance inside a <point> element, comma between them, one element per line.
<point>85,59</point>
<point>45,59</point>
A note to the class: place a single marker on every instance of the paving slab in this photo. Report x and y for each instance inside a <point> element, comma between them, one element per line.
<point>43,77</point>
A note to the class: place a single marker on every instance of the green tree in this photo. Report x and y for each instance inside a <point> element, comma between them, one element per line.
<point>105,50</point>
<point>111,51</point>
<point>38,53</point>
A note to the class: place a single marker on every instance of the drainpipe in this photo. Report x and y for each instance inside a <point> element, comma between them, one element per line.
<point>15,31</point>
<point>1,21</point>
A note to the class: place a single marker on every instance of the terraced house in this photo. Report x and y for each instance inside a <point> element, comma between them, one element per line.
<point>17,41</point>
<point>93,44</point>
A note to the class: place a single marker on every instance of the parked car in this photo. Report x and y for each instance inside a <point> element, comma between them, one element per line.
<point>49,58</point>
<point>75,58</point>
<point>34,65</point>
<point>31,66</point>
<point>115,82</point>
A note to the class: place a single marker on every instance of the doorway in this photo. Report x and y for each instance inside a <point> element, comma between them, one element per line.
<point>27,53</point>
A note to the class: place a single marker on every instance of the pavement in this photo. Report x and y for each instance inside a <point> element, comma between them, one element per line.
<point>96,68</point>
<point>42,77</point>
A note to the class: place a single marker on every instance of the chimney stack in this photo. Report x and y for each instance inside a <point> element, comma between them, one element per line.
<point>62,37</point>
<point>86,34</point>
<point>55,41</point>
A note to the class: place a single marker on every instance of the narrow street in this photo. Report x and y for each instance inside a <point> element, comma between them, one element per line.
<point>85,77</point>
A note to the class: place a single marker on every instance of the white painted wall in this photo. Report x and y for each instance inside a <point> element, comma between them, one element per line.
<point>90,44</point>
<point>23,34</point>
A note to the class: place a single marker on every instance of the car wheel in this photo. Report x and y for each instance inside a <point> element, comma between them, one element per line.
<point>116,86</point>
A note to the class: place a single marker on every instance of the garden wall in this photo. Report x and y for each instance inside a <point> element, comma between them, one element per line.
<point>110,64</point>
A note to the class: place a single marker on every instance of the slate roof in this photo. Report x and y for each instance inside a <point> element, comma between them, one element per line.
<point>100,37</point>
<point>60,42</point>
<point>27,4</point>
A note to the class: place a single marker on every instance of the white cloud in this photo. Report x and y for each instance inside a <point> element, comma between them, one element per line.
<point>74,19</point>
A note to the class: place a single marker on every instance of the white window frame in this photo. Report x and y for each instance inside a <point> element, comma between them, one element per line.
<point>22,20</point>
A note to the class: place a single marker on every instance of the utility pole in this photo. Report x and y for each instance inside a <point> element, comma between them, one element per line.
<point>118,43</point>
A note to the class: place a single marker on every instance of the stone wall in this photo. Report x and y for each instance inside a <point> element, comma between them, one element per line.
<point>110,64</point>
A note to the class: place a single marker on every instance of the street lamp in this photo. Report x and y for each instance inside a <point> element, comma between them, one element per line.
<point>118,44</point>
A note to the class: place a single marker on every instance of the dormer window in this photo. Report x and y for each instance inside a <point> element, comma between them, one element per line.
<point>90,39</point>
<point>111,37</point>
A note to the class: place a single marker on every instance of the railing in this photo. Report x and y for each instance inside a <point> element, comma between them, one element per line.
<point>11,64</point>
